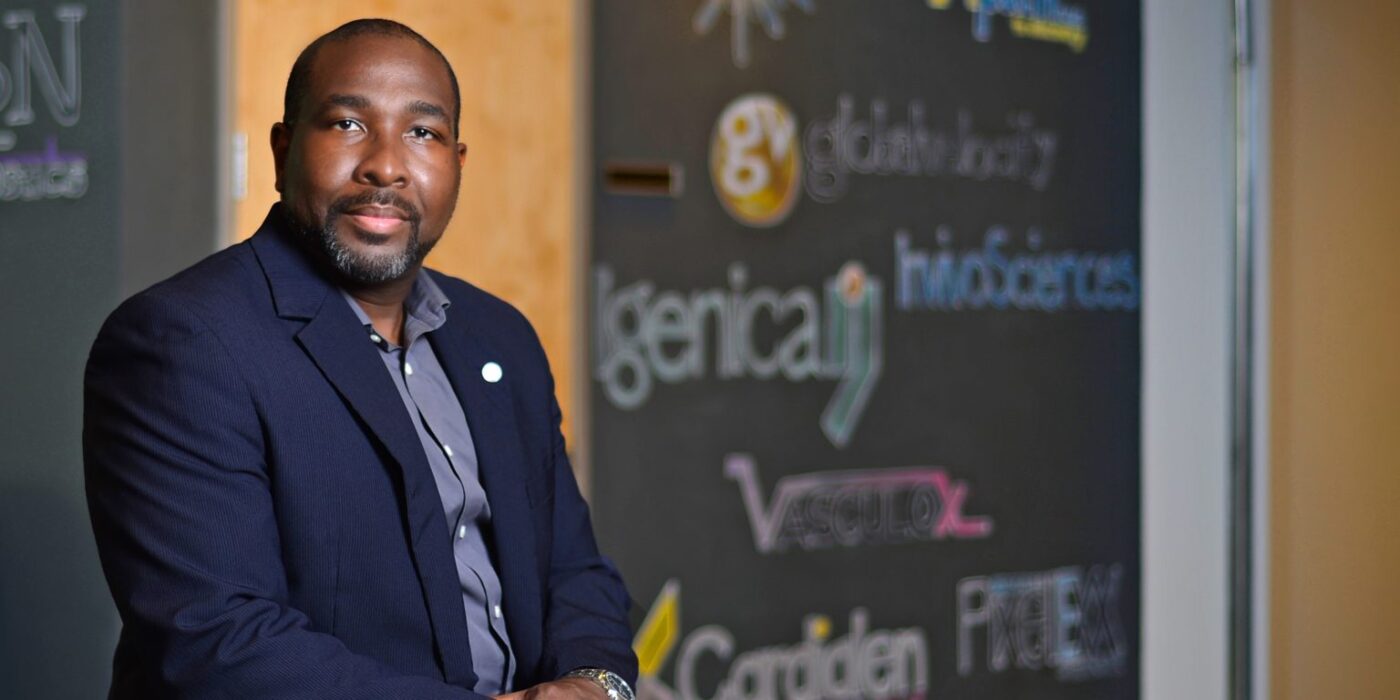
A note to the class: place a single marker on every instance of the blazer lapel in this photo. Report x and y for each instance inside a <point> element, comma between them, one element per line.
<point>502,466</point>
<point>336,342</point>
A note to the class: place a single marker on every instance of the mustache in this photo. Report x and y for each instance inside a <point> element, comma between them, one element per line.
<point>378,198</point>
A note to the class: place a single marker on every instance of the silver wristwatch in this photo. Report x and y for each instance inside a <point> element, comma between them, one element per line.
<point>611,683</point>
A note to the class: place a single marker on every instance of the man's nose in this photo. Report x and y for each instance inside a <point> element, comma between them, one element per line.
<point>383,164</point>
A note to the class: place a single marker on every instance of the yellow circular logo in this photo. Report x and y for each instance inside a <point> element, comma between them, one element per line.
<point>755,164</point>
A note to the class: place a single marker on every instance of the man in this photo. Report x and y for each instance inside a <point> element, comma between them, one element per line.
<point>317,469</point>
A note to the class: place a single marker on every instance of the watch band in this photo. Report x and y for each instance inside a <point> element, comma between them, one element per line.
<point>611,683</point>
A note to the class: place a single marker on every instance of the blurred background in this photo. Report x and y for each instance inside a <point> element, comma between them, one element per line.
<point>1084,309</point>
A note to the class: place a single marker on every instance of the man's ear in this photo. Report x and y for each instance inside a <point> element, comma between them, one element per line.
<point>461,155</point>
<point>281,138</point>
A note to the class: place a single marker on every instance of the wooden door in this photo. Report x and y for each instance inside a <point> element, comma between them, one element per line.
<point>516,226</point>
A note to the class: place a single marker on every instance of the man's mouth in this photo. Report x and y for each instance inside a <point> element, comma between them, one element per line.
<point>378,219</point>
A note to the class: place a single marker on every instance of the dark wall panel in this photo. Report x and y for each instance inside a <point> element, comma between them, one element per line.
<point>107,138</point>
<point>60,243</point>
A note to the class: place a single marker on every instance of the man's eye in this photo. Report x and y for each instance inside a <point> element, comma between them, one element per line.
<point>419,132</point>
<point>346,124</point>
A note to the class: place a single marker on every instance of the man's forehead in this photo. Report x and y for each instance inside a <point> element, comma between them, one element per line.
<point>376,61</point>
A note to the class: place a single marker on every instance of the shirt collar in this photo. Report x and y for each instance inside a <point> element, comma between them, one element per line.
<point>425,310</point>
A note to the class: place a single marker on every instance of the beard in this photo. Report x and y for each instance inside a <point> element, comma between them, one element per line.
<point>372,267</point>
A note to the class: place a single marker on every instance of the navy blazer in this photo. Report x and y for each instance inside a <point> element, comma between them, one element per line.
<point>267,520</point>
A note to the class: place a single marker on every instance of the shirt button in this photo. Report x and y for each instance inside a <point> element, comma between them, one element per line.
<point>461,532</point>
<point>375,337</point>
<point>447,449</point>
<point>496,611</point>
<point>408,369</point>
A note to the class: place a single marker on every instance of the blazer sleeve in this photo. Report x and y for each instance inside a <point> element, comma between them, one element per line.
<point>178,490</point>
<point>587,602</point>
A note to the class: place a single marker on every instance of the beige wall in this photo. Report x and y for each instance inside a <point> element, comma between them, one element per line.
<point>1335,351</point>
<point>514,231</point>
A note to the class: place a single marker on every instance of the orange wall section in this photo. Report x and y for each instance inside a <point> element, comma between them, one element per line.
<point>1334,374</point>
<point>515,228</point>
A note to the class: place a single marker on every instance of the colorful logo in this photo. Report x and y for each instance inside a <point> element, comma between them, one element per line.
<point>822,510</point>
<point>755,162</point>
<point>1050,21</point>
<point>863,663</point>
<point>660,631</point>
<point>766,13</point>
<point>646,336</point>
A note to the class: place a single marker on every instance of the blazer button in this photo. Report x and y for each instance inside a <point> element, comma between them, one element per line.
<point>491,372</point>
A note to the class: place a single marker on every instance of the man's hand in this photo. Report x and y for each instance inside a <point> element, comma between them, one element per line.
<point>562,689</point>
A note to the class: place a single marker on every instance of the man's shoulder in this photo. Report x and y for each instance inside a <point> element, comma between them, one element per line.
<point>219,289</point>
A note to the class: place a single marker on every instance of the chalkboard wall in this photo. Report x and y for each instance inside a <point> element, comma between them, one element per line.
<point>865,362</point>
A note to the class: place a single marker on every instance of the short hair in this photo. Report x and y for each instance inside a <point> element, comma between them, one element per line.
<point>297,81</point>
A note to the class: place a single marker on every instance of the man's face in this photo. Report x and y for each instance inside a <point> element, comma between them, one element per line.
<point>371,167</point>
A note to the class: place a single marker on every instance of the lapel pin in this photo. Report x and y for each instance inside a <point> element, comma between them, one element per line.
<point>491,372</point>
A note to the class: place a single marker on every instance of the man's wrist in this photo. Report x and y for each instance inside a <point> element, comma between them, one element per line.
<point>611,683</point>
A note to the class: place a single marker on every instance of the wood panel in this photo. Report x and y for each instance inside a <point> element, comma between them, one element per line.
<point>516,222</point>
<point>1334,377</point>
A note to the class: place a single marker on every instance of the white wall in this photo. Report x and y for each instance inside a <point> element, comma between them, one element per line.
<point>1188,208</point>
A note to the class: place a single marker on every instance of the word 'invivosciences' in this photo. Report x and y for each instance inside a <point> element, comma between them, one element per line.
<point>996,275</point>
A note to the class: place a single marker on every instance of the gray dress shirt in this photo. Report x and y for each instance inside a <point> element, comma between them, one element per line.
<point>447,441</point>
